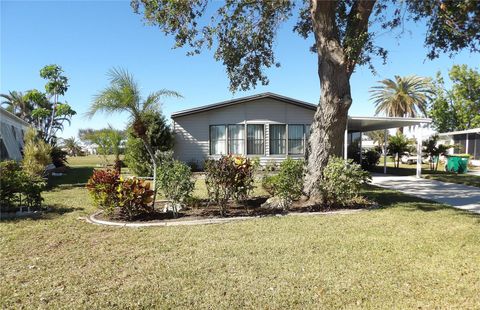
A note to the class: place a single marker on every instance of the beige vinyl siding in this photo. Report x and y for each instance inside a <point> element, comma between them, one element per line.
<point>192,131</point>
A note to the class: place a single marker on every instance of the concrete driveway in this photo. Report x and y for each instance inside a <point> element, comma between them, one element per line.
<point>457,195</point>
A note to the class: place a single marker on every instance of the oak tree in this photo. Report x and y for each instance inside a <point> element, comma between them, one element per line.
<point>243,32</point>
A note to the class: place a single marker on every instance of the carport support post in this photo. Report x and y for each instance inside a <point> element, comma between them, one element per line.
<point>345,145</point>
<point>385,151</point>
<point>419,153</point>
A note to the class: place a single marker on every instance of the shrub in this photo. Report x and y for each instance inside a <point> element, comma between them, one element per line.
<point>174,180</point>
<point>110,192</point>
<point>342,181</point>
<point>288,183</point>
<point>370,159</point>
<point>58,157</point>
<point>228,178</point>
<point>270,166</point>
<point>19,189</point>
<point>268,182</point>
<point>103,186</point>
<point>134,198</point>
<point>36,154</point>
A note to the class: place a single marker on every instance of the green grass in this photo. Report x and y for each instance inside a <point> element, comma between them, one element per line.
<point>404,170</point>
<point>410,253</point>
<point>90,160</point>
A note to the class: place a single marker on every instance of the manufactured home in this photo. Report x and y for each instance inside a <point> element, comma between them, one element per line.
<point>12,129</point>
<point>268,126</point>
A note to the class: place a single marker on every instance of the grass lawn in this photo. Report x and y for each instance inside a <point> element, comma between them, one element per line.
<point>466,179</point>
<point>410,253</point>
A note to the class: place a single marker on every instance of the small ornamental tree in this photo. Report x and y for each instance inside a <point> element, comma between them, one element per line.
<point>398,145</point>
<point>434,150</point>
<point>228,178</point>
<point>123,95</point>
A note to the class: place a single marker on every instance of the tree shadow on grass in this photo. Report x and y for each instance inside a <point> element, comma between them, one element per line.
<point>48,212</point>
<point>75,176</point>
<point>387,198</point>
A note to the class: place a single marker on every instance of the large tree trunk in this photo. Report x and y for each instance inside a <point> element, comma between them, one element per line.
<point>334,70</point>
<point>329,124</point>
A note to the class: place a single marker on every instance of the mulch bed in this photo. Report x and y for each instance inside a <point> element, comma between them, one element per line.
<point>205,210</point>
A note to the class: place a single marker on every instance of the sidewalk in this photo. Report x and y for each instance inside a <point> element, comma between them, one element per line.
<point>457,195</point>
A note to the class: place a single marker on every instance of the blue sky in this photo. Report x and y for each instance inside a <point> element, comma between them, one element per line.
<point>88,38</point>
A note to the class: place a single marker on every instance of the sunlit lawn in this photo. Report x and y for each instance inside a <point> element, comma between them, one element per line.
<point>408,254</point>
<point>439,175</point>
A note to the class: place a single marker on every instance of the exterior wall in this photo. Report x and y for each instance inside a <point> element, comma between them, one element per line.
<point>12,130</point>
<point>192,131</point>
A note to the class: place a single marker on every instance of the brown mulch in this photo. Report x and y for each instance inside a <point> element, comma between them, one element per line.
<point>205,210</point>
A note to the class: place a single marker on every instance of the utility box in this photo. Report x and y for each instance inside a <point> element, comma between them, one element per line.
<point>457,163</point>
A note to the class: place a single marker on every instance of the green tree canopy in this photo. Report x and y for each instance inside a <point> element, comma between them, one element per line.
<point>457,108</point>
<point>242,34</point>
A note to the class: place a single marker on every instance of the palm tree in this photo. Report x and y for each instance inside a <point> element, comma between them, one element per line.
<point>123,95</point>
<point>405,97</point>
<point>72,146</point>
<point>378,137</point>
<point>17,104</point>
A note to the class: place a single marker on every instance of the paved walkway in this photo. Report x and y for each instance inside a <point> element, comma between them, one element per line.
<point>457,195</point>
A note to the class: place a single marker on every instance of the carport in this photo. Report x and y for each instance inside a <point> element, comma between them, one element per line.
<point>361,124</point>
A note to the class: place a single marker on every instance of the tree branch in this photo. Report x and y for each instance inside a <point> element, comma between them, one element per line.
<point>356,33</point>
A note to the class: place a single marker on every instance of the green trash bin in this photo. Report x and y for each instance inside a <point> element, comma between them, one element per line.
<point>457,163</point>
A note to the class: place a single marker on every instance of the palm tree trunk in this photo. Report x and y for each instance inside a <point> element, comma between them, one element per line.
<point>154,164</point>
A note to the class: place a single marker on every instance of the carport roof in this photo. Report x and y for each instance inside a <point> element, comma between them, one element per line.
<point>369,123</point>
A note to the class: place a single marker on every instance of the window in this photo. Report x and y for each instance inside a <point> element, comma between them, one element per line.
<point>217,139</point>
<point>307,132</point>
<point>295,139</point>
<point>278,139</point>
<point>236,139</point>
<point>255,140</point>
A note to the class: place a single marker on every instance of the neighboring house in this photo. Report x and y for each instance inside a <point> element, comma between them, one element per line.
<point>465,141</point>
<point>268,126</point>
<point>12,130</point>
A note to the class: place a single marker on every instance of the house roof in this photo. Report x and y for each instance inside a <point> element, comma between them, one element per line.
<point>243,100</point>
<point>355,123</point>
<point>473,130</point>
<point>13,117</point>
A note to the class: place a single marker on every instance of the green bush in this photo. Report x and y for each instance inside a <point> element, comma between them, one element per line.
<point>134,198</point>
<point>268,184</point>
<point>103,186</point>
<point>342,182</point>
<point>288,183</point>
<point>19,189</point>
<point>370,159</point>
<point>36,154</point>
<point>230,177</point>
<point>58,157</point>
<point>174,179</point>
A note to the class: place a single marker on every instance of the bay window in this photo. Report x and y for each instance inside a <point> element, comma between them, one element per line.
<point>217,139</point>
<point>255,139</point>
<point>236,139</point>
<point>296,139</point>
<point>278,139</point>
